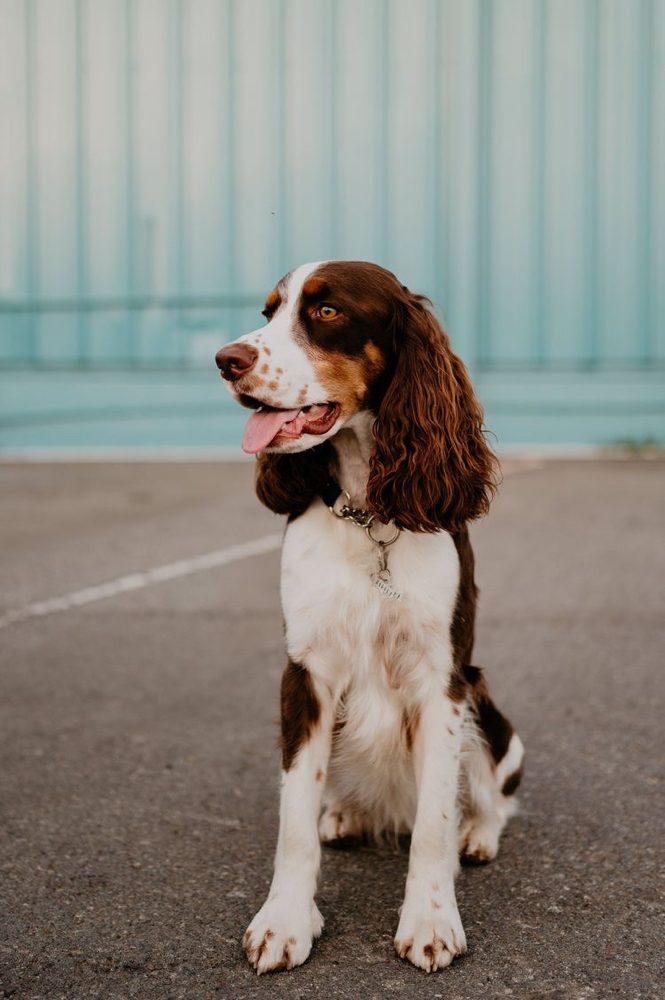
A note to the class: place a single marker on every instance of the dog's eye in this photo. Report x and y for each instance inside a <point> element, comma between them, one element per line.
<point>326,311</point>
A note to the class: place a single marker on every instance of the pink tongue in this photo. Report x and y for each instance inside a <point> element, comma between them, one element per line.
<point>263,426</point>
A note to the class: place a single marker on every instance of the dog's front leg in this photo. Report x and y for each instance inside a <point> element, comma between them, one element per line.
<point>281,933</point>
<point>430,932</point>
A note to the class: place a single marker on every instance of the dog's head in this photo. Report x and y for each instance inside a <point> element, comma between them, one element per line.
<point>344,337</point>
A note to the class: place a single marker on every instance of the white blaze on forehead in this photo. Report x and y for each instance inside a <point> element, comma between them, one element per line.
<point>296,280</point>
<point>297,384</point>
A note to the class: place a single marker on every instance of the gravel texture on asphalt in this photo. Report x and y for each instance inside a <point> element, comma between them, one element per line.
<point>139,771</point>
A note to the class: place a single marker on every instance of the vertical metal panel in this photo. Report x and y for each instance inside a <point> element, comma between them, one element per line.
<point>656,249</point>
<point>169,159</point>
<point>569,198</point>
<point>32,194</point>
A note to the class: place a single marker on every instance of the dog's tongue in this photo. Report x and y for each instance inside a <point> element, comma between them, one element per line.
<point>263,426</point>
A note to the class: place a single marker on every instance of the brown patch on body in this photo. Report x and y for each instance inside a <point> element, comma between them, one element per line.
<point>511,784</point>
<point>280,371</point>
<point>320,775</point>
<point>462,626</point>
<point>457,687</point>
<point>299,708</point>
<point>409,727</point>
<point>494,726</point>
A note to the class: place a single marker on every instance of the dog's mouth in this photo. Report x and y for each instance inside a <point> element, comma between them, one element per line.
<point>269,423</point>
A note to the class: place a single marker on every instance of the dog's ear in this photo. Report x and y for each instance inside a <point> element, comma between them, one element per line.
<point>287,483</point>
<point>431,468</point>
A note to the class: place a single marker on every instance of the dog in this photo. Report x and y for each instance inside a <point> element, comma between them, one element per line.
<point>370,439</point>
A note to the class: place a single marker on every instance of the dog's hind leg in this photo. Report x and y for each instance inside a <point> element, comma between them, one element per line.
<point>493,756</point>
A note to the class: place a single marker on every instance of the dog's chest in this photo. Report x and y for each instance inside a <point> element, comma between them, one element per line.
<point>344,627</point>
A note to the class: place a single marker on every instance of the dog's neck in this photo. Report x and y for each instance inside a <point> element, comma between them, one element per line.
<point>353,445</point>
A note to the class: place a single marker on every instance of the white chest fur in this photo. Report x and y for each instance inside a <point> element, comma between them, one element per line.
<point>382,657</point>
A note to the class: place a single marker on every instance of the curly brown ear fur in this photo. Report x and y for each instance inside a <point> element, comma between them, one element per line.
<point>431,468</point>
<point>288,483</point>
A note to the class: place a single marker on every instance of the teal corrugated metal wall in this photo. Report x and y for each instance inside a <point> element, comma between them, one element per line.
<point>164,161</point>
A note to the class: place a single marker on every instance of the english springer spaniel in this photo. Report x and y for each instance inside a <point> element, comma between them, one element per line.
<point>369,437</point>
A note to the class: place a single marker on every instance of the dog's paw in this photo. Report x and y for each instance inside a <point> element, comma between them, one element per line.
<point>479,842</point>
<point>337,823</point>
<point>430,936</point>
<point>280,935</point>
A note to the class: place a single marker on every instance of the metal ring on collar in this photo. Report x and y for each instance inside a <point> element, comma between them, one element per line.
<point>348,501</point>
<point>377,541</point>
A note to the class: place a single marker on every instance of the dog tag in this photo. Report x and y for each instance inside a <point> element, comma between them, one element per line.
<point>381,580</point>
<point>386,589</point>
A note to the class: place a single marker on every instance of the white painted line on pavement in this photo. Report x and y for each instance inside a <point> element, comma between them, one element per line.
<point>137,581</point>
<point>184,567</point>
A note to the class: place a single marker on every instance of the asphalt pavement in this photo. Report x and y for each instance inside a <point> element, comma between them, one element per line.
<point>139,770</point>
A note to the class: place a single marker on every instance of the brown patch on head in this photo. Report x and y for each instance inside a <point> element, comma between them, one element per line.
<point>273,300</point>
<point>374,355</point>
<point>300,710</point>
<point>344,379</point>
<point>265,369</point>
<point>314,286</point>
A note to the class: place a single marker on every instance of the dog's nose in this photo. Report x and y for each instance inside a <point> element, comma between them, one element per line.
<point>236,360</point>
